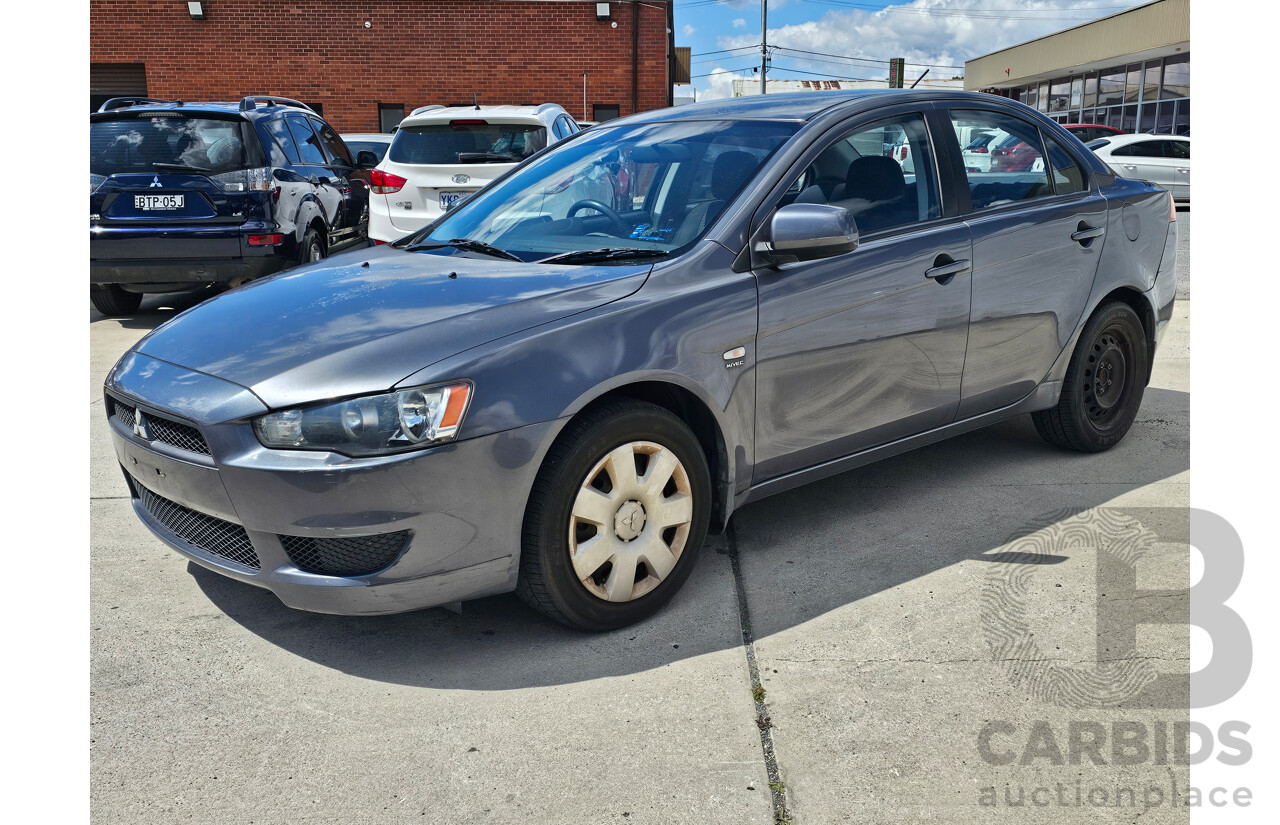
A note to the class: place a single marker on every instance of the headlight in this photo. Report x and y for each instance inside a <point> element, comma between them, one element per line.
<point>374,425</point>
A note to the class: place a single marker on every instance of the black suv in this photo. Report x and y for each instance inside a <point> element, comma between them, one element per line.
<point>184,194</point>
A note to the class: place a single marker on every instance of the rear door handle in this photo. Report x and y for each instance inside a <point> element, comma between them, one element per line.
<point>945,271</point>
<point>1088,233</point>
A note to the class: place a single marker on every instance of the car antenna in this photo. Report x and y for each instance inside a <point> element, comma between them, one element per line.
<point>475,97</point>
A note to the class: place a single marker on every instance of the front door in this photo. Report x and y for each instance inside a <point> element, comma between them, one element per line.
<point>864,348</point>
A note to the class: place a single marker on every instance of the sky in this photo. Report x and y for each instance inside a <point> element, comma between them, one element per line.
<point>938,35</point>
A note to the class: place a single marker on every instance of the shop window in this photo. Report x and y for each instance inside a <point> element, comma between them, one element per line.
<point>1177,77</point>
<point>1151,80</point>
<point>1090,90</point>
<point>1111,87</point>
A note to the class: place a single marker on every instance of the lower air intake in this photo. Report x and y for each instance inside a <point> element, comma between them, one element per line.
<point>210,534</point>
<point>357,556</point>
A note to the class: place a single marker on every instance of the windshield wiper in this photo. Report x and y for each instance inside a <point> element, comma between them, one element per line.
<point>179,167</point>
<point>589,255</point>
<point>481,157</point>
<point>467,245</point>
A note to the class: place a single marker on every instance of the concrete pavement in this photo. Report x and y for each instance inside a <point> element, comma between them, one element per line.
<point>872,596</point>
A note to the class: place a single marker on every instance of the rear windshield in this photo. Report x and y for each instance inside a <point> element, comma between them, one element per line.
<point>167,143</point>
<point>467,141</point>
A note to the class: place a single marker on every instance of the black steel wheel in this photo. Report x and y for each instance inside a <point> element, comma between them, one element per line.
<point>1103,386</point>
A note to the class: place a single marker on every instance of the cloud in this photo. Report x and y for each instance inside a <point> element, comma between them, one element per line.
<point>719,83</point>
<point>738,22</point>
<point>935,34</point>
<point>688,30</point>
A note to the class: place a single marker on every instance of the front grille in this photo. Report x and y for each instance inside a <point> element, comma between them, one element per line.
<point>357,556</point>
<point>159,428</point>
<point>208,533</point>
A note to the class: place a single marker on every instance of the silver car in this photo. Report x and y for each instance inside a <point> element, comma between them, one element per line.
<point>563,399</point>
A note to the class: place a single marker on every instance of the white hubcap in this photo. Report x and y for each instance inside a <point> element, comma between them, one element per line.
<point>630,521</point>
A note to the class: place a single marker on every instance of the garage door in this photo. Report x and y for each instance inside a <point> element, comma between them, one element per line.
<point>108,80</point>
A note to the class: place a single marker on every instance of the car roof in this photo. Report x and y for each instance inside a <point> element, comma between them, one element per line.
<point>801,106</point>
<point>206,106</point>
<point>1120,140</point>
<point>541,113</point>
<point>381,137</point>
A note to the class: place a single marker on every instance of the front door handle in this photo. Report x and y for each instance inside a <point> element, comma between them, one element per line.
<point>1087,233</point>
<point>943,272</point>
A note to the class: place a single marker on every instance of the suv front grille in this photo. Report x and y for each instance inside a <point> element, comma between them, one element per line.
<point>208,533</point>
<point>159,428</point>
<point>358,556</point>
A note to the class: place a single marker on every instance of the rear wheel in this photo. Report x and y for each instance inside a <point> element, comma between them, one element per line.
<point>616,517</point>
<point>1103,386</point>
<point>311,248</point>
<point>111,299</point>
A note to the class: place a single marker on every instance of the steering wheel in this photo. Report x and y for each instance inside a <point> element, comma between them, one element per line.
<point>608,212</point>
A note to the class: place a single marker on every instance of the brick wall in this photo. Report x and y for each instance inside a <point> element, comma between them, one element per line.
<point>415,52</point>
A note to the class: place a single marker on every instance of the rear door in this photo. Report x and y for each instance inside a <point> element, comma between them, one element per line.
<point>860,349</point>
<point>1146,160</point>
<point>1037,238</point>
<point>352,184</point>
<point>314,166</point>
<point>166,185</point>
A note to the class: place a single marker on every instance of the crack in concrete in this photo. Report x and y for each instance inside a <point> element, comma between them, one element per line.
<point>777,789</point>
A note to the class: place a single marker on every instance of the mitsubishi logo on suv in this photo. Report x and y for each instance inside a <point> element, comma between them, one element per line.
<point>140,426</point>
<point>155,182</point>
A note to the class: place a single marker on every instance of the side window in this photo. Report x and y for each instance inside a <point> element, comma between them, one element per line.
<point>1015,170</point>
<point>1142,149</point>
<point>882,173</point>
<point>333,144</point>
<point>306,140</point>
<point>282,146</point>
<point>558,129</point>
<point>1068,177</point>
<point>1180,149</point>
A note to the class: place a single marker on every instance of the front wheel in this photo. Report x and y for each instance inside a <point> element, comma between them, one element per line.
<point>616,517</point>
<point>1103,386</point>
<point>111,299</point>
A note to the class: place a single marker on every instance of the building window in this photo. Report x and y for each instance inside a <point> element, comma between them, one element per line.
<point>389,116</point>
<point>1111,87</point>
<point>601,112</point>
<point>1151,80</point>
<point>1177,77</point>
<point>1059,95</point>
<point>1091,90</point>
<point>1133,87</point>
<point>318,108</point>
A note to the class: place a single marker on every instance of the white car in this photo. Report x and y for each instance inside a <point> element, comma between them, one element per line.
<point>1164,160</point>
<point>440,155</point>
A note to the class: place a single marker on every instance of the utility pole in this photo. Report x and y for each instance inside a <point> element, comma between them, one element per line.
<point>764,41</point>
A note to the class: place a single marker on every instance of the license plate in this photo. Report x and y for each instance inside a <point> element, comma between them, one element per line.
<point>158,203</point>
<point>448,199</point>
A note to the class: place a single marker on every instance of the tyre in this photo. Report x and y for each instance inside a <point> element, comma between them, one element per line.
<point>110,299</point>
<point>616,517</point>
<point>1103,386</point>
<point>310,250</point>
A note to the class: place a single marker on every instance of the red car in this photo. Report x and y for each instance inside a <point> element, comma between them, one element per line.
<point>1012,155</point>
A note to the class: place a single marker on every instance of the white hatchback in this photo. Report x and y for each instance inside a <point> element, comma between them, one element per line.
<point>441,154</point>
<point>1164,160</point>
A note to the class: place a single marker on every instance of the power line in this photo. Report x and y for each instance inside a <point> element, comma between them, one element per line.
<point>866,59</point>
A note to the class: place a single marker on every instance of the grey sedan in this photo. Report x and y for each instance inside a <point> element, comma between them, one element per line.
<point>561,385</point>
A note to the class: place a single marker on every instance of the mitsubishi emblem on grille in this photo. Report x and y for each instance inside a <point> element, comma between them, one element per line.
<point>140,426</point>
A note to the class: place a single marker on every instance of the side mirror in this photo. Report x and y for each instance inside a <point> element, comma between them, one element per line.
<point>807,232</point>
<point>366,159</point>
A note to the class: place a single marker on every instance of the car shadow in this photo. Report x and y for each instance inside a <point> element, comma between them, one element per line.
<point>971,493</point>
<point>155,309</point>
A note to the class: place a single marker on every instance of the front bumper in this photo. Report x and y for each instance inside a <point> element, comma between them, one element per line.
<point>461,504</point>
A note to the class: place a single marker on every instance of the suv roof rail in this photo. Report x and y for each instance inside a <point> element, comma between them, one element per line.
<point>422,109</point>
<point>124,102</point>
<point>251,102</point>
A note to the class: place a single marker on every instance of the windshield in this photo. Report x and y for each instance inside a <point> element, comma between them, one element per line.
<point>167,142</point>
<point>646,189</point>
<point>467,141</point>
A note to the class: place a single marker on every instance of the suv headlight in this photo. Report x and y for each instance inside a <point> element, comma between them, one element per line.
<point>373,425</point>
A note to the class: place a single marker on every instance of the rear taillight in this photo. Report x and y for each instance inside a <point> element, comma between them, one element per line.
<point>377,242</point>
<point>266,240</point>
<point>385,183</point>
<point>244,180</point>
<point>981,150</point>
<point>465,123</point>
